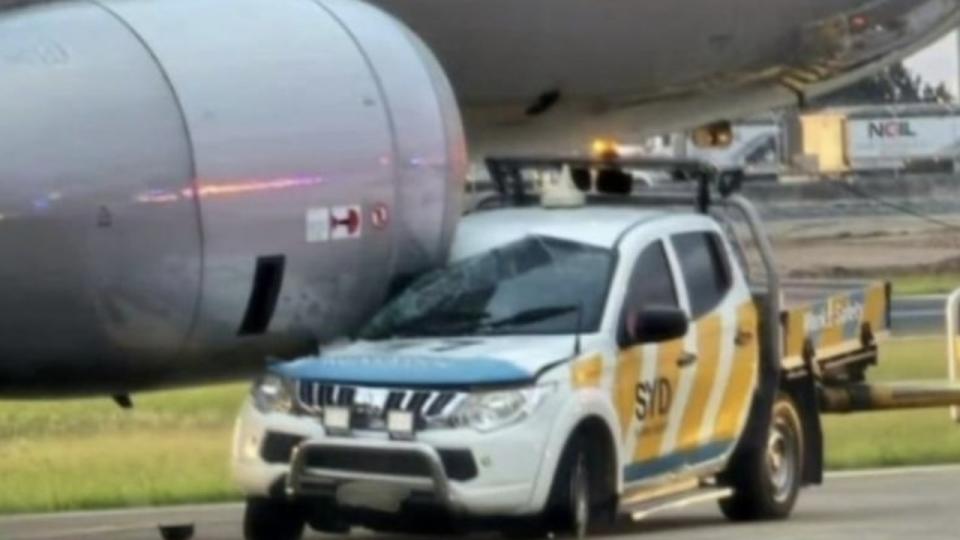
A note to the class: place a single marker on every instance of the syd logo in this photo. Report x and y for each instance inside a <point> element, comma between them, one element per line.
<point>653,399</point>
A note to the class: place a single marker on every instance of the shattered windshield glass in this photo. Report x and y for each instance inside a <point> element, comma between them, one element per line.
<point>536,285</point>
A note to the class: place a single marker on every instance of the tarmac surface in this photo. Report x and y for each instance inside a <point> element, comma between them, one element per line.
<point>895,504</point>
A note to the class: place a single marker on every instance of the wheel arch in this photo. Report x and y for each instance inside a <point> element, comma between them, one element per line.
<point>602,454</point>
<point>592,433</point>
<point>592,412</point>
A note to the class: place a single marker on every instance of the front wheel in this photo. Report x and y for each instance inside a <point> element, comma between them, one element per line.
<point>273,519</point>
<point>766,481</point>
<point>571,503</point>
<point>569,506</point>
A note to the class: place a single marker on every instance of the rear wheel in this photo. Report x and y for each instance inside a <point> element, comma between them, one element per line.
<point>273,519</point>
<point>766,481</point>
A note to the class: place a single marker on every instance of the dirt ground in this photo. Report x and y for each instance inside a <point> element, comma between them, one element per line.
<point>867,246</point>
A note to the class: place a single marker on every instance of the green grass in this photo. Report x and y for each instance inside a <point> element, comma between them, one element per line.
<point>117,469</point>
<point>926,283</point>
<point>174,446</point>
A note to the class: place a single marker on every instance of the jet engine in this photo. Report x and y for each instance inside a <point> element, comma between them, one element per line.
<point>190,187</point>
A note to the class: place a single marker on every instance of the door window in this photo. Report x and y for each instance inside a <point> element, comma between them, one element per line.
<point>651,284</point>
<point>705,268</point>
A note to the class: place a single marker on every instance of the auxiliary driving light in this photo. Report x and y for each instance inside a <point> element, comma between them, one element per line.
<point>336,419</point>
<point>400,424</point>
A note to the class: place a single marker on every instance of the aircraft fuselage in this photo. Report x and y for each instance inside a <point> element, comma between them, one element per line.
<point>611,66</point>
<point>188,187</point>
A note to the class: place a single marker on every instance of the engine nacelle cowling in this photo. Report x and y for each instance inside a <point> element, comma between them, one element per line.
<point>190,186</point>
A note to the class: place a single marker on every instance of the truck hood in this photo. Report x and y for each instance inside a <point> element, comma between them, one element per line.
<point>481,361</point>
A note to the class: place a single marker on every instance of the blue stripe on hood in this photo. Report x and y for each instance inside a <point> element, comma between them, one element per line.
<point>404,370</point>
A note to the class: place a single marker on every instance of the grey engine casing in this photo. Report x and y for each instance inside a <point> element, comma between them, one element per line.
<point>166,168</point>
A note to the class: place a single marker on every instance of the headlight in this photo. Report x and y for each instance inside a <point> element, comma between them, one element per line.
<point>490,411</point>
<point>271,393</point>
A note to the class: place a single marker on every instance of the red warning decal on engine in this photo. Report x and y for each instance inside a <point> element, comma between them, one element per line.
<point>336,223</point>
<point>345,222</point>
<point>380,216</point>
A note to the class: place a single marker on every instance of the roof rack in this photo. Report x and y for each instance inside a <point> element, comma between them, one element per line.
<point>508,178</point>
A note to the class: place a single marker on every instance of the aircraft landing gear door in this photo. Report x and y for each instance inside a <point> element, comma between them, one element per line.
<point>712,391</point>
<point>647,374</point>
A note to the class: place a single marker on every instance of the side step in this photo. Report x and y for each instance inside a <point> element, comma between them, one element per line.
<point>646,504</point>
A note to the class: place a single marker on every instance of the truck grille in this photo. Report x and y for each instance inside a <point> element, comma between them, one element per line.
<point>370,405</point>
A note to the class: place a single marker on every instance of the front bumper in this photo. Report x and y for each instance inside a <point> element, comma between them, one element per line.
<point>511,467</point>
<point>359,462</point>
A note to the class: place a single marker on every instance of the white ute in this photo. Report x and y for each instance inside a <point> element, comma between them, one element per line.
<point>568,365</point>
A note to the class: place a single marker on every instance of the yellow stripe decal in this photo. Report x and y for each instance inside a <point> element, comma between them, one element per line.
<point>588,372</point>
<point>625,393</point>
<point>740,388</point>
<point>655,423</point>
<point>709,334</point>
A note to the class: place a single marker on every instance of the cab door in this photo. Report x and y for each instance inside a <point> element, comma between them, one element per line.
<point>716,378</point>
<point>647,373</point>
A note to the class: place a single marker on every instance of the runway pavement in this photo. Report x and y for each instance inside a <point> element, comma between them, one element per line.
<point>913,503</point>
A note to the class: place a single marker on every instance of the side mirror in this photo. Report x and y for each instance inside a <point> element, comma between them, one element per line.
<point>655,324</point>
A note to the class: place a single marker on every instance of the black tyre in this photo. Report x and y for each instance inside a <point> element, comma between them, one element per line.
<point>766,481</point>
<point>273,519</point>
<point>583,492</point>
<point>568,512</point>
<point>570,507</point>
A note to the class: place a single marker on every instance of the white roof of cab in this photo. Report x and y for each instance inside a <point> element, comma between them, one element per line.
<point>599,226</point>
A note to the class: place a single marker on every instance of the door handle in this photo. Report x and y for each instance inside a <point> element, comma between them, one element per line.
<point>686,360</point>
